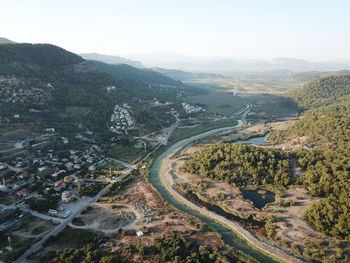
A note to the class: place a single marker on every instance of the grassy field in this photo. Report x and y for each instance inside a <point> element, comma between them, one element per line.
<point>218,102</point>
<point>251,84</point>
<point>269,105</point>
<point>181,133</point>
<point>127,154</point>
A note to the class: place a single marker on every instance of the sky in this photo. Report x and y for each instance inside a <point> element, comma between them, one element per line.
<point>315,30</point>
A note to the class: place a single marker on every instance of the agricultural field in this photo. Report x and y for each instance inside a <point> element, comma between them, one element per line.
<point>129,154</point>
<point>199,126</point>
<point>218,102</point>
<point>251,84</point>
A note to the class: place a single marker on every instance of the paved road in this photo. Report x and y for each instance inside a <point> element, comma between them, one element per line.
<point>67,221</point>
<point>64,223</point>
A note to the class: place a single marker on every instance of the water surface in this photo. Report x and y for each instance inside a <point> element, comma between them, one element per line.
<point>227,234</point>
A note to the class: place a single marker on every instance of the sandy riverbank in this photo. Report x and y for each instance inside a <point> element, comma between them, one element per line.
<point>263,245</point>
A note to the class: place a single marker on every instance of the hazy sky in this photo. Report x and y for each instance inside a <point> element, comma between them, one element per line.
<point>309,29</point>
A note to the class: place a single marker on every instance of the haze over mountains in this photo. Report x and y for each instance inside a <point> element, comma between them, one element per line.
<point>282,66</point>
<point>112,59</point>
<point>6,41</point>
<point>207,64</point>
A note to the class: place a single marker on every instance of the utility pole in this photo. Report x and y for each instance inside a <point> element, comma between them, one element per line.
<point>236,87</point>
<point>3,182</point>
<point>9,239</point>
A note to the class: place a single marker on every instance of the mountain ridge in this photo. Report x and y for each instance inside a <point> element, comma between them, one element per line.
<point>64,80</point>
<point>224,65</point>
<point>109,59</point>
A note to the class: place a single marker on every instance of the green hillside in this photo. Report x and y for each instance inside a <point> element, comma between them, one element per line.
<point>311,75</point>
<point>325,134</point>
<point>68,90</point>
<point>322,92</point>
<point>111,59</point>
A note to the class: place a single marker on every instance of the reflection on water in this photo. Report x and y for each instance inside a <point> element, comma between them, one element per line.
<point>256,140</point>
<point>260,198</point>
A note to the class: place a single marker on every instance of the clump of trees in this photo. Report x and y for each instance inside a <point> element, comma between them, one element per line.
<point>89,253</point>
<point>43,204</point>
<point>118,186</point>
<point>180,249</point>
<point>241,165</point>
<point>90,190</point>
<point>331,216</point>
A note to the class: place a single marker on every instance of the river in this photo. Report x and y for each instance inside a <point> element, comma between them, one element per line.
<point>227,234</point>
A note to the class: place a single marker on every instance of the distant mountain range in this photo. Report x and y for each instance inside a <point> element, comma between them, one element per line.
<point>6,41</point>
<point>112,59</point>
<point>226,65</point>
<point>184,75</point>
<point>183,67</point>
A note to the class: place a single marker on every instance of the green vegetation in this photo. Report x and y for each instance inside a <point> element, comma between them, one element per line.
<point>241,165</point>
<point>44,204</point>
<point>119,185</point>
<point>91,190</point>
<point>327,125</point>
<point>218,102</point>
<point>127,153</point>
<point>267,106</point>
<point>261,93</point>
<point>79,86</point>
<point>181,250</point>
<point>331,215</point>
<point>250,83</point>
<point>33,54</point>
<point>322,92</point>
<point>19,246</point>
<point>311,75</point>
<point>185,75</point>
<point>88,251</point>
<point>200,127</point>
<point>325,130</point>
<point>79,237</point>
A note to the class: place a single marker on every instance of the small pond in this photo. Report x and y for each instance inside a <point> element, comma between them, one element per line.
<point>256,140</point>
<point>260,198</point>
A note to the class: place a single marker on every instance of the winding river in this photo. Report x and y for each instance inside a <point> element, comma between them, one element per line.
<point>227,234</point>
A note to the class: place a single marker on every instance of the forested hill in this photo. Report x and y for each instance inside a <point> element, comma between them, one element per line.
<point>111,59</point>
<point>129,73</point>
<point>44,55</point>
<point>53,80</point>
<point>324,131</point>
<point>311,75</point>
<point>322,92</point>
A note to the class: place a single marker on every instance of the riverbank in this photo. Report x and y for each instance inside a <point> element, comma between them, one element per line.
<point>234,238</point>
<point>268,248</point>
